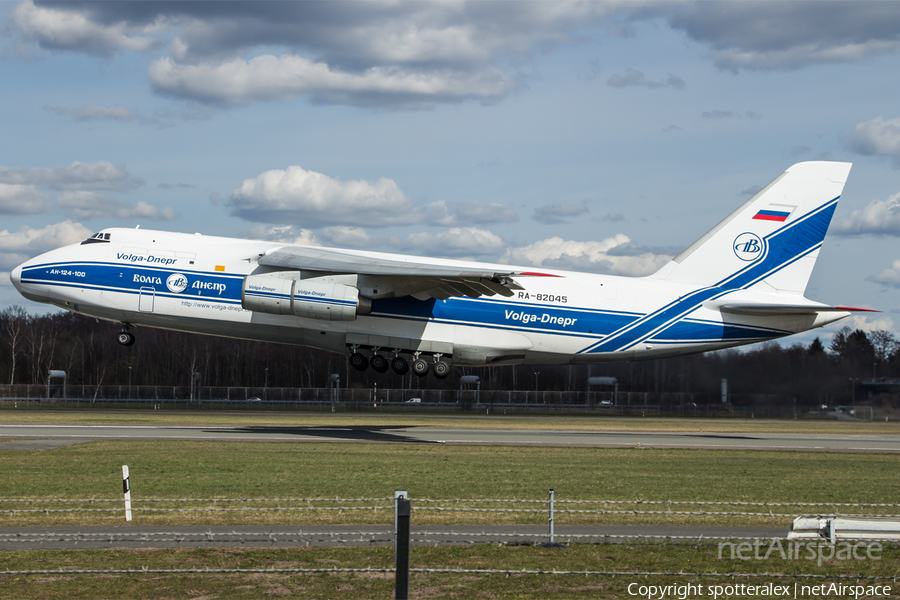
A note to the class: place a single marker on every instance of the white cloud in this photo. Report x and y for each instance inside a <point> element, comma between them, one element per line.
<point>879,216</point>
<point>349,237</point>
<point>370,54</point>
<point>298,196</point>
<point>414,54</point>
<point>456,241</point>
<point>868,322</point>
<point>785,35</point>
<point>98,175</point>
<point>287,234</point>
<point>448,214</point>
<point>18,199</point>
<point>889,277</point>
<point>877,137</point>
<point>267,78</point>
<point>19,246</point>
<point>88,205</point>
<point>65,29</point>
<point>553,214</point>
<point>599,257</point>
<point>295,195</point>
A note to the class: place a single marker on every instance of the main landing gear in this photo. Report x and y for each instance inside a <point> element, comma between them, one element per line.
<point>399,364</point>
<point>125,337</point>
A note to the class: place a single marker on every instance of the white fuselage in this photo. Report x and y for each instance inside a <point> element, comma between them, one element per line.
<point>194,283</point>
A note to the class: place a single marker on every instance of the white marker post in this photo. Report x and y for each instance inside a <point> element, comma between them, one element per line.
<point>126,487</point>
<point>551,517</point>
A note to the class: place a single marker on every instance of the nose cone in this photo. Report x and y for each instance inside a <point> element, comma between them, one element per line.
<point>33,290</point>
<point>16,278</point>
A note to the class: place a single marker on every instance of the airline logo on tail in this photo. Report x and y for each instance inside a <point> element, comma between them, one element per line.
<point>747,246</point>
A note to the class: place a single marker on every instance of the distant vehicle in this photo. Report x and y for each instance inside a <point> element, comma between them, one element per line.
<point>254,399</point>
<point>740,283</point>
<point>605,404</point>
<point>414,401</point>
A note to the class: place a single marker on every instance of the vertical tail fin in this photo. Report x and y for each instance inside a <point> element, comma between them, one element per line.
<point>773,238</point>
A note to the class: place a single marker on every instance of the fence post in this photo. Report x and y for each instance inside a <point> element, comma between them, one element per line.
<point>551,515</point>
<point>401,571</point>
<point>552,543</point>
<point>126,488</point>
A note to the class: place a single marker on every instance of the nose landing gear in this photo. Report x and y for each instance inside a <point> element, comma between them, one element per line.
<point>125,337</point>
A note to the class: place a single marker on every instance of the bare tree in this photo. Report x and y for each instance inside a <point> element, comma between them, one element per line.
<point>15,319</point>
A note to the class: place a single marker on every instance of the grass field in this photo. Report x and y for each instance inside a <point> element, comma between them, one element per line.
<point>693,564</point>
<point>165,469</point>
<point>191,469</point>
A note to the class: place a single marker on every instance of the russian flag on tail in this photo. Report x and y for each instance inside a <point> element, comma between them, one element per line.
<point>772,215</point>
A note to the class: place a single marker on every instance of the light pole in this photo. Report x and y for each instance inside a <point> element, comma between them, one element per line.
<point>266,389</point>
<point>129,383</point>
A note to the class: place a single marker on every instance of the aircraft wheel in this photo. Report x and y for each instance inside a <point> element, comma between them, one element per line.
<point>125,338</point>
<point>358,361</point>
<point>420,367</point>
<point>379,363</point>
<point>441,369</point>
<point>400,365</point>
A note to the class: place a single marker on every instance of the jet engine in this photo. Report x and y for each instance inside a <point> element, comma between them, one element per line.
<point>315,298</point>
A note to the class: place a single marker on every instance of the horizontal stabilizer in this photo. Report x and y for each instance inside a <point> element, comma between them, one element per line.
<point>773,310</point>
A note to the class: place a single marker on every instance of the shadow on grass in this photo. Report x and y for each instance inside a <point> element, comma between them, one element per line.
<point>353,434</point>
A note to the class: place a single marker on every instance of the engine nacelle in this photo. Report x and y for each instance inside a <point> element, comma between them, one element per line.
<point>309,298</point>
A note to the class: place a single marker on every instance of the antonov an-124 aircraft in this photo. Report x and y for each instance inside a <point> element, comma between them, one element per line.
<point>742,282</point>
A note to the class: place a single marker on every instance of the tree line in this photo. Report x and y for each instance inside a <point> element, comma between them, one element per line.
<point>86,349</point>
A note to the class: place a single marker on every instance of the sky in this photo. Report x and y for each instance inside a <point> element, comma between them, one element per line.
<point>594,136</point>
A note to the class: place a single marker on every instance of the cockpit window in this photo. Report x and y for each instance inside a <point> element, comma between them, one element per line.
<point>97,238</point>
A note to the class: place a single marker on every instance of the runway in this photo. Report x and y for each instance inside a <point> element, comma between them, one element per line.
<point>37,437</point>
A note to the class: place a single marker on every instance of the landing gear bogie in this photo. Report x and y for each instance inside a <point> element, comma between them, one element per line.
<point>379,363</point>
<point>420,367</point>
<point>359,361</point>
<point>441,369</point>
<point>400,365</point>
<point>420,364</point>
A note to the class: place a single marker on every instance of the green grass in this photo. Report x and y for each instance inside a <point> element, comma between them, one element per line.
<point>351,470</point>
<point>351,586</point>
<point>165,469</point>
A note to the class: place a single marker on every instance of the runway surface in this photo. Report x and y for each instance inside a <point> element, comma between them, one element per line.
<point>67,538</point>
<point>36,437</point>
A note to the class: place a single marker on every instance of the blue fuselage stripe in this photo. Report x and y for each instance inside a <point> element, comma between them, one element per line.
<point>783,247</point>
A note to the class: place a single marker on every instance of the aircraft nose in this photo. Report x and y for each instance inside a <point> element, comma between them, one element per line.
<point>32,291</point>
<point>16,277</point>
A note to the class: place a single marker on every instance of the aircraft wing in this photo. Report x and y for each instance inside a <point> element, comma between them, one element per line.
<point>775,310</point>
<point>403,276</point>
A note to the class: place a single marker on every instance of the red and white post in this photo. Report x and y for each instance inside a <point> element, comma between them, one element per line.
<point>126,487</point>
